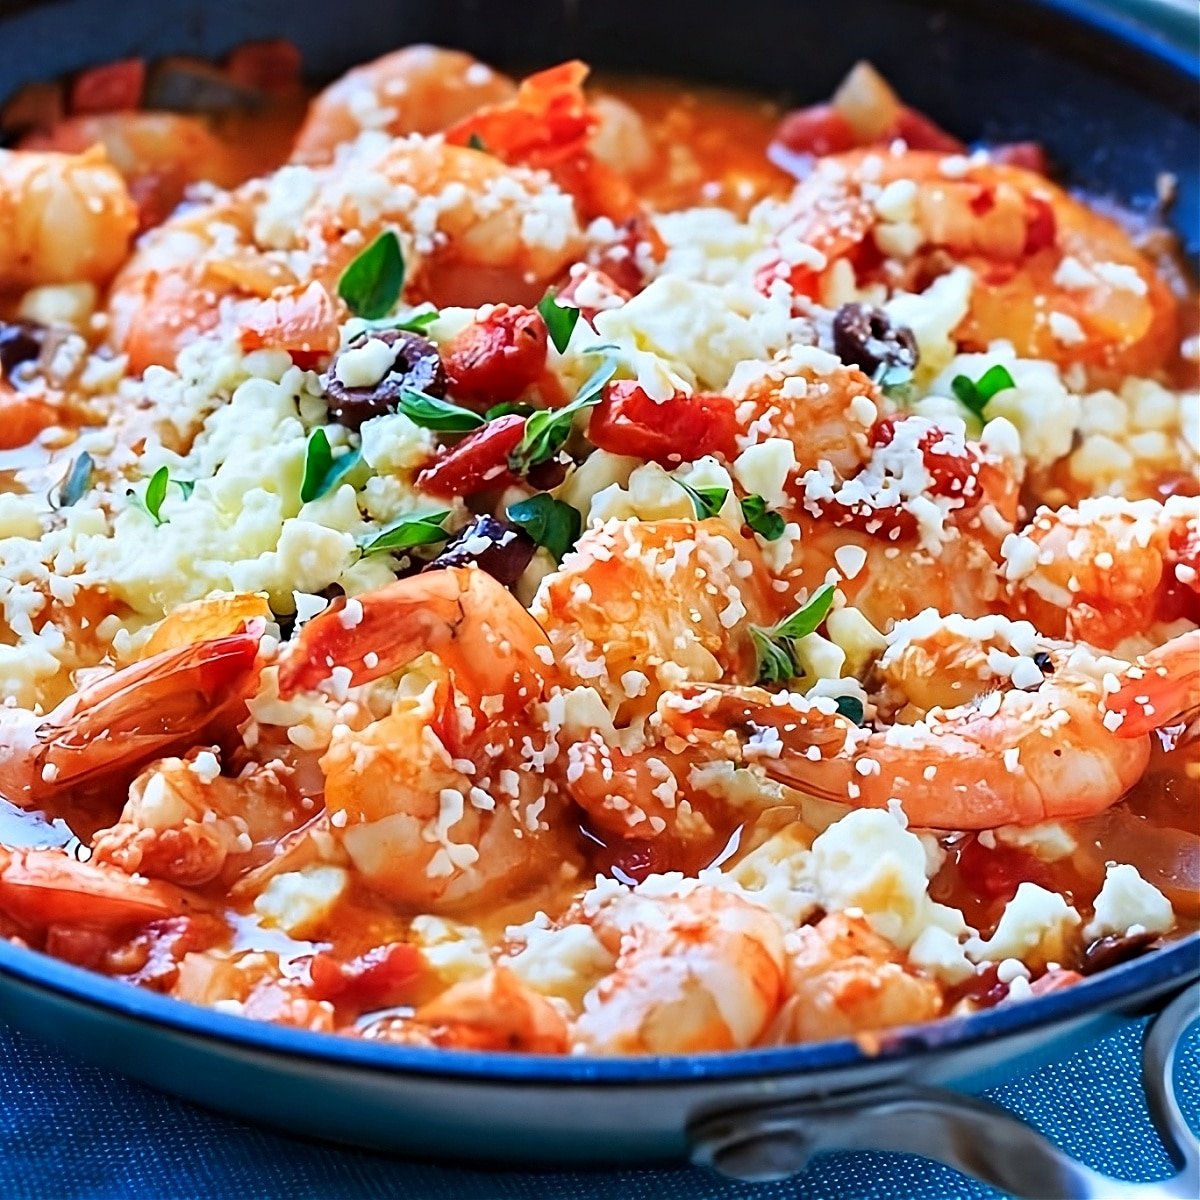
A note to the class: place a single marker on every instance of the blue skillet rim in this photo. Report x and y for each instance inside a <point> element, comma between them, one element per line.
<point>1142,30</point>
<point>1166,969</point>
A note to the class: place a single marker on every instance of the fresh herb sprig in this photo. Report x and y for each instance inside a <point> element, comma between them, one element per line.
<point>974,394</point>
<point>416,529</point>
<point>551,523</point>
<point>775,645</point>
<point>707,501</point>
<point>766,523</point>
<point>156,492</point>
<point>560,319</point>
<point>547,429</point>
<point>430,412</point>
<point>77,481</point>
<point>373,281</point>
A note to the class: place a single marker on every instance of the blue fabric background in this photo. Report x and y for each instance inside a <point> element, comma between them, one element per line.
<point>68,1131</point>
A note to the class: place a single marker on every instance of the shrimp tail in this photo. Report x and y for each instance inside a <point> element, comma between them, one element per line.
<point>49,887</point>
<point>472,623</point>
<point>138,713</point>
<point>1162,688</point>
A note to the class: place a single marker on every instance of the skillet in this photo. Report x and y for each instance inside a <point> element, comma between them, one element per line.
<point>1115,99</point>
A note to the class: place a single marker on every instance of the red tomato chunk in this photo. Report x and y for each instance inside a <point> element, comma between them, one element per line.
<point>680,429</point>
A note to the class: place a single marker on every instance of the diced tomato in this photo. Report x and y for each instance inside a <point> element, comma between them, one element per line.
<point>920,133</point>
<point>1054,980</point>
<point>953,475</point>
<point>547,121</point>
<point>497,359</point>
<point>270,66</point>
<point>680,429</point>
<point>83,947</point>
<point>817,130</point>
<point>478,462</point>
<point>302,321</point>
<point>1041,229</point>
<point>996,872</point>
<point>377,979</point>
<point>114,87</point>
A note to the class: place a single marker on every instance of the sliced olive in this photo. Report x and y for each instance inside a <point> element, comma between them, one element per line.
<point>868,338</point>
<point>20,342</point>
<point>495,546</point>
<point>417,364</point>
<point>1106,952</point>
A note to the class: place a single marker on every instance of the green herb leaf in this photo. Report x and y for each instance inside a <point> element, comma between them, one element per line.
<point>431,413</point>
<point>774,645</point>
<point>318,458</point>
<point>776,663</point>
<point>417,529</point>
<point>155,494</point>
<point>373,281</point>
<point>560,319</point>
<point>894,380</point>
<point>475,142</point>
<point>761,519</point>
<point>707,501</point>
<point>851,707</point>
<point>547,429</point>
<point>417,323</point>
<point>509,408</point>
<point>185,486</point>
<point>975,393</point>
<point>336,475</point>
<point>806,619</point>
<point>77,482</point>
<point>551,523</point>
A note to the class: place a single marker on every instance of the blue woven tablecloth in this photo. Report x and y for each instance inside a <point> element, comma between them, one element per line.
<point>67,1130</point>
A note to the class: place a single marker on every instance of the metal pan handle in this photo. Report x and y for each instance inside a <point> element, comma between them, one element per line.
<point>970,1135</point>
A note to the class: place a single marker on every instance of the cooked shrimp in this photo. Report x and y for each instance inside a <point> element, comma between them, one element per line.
<point>23,417</point>
<point>464,218</point>
<point>419,89</point>
<point>550,125</point>
<point>612,612</point>
<point>496,652</point>
<point>441,801</point>
<point>64,218</point>
<point>1028,743</point>
<point>186,823</point>
<point>494,1012</point>
<point>1037,254</point>
<point>39,888</point>
<point>157,153</point>
<point>699,969</point>
<point>903,512</point>
<point>1160,688</point>
<point>112,726</point>
<point>1107,569</point>
<point>843,979</point>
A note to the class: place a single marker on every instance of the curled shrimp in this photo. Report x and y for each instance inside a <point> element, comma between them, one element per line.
<point>112,726</point>
<point>495,1012</point>
<point>701,969</point>
<point>1019,748</point>
<point>157,153</point>
<point>418,89</point>
<point>1053,277</point>
<point>1107,569</point>
<point>612,613</point>
<point>189,825</point>
<point>213,266</point>
<point>1160,688</point>
<point>440,802</point>
<point>64,218</point>
<point>40,888</point>
<point>844,979</point>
